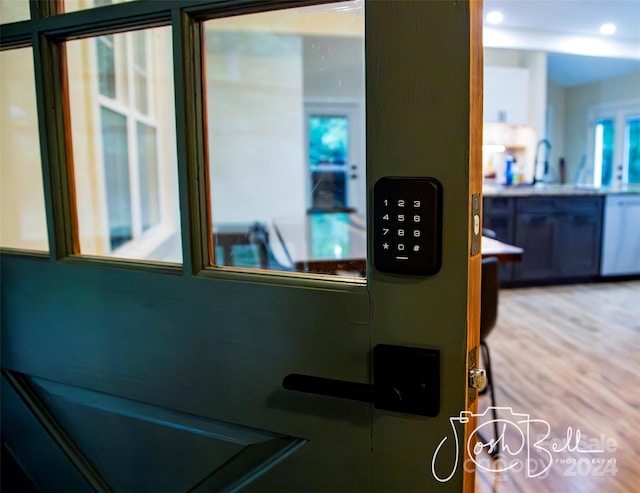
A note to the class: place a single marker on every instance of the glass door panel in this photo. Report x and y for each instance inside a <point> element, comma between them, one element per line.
<point>616,144</point>
<point>632,150</point>
<point>266,153</point>
<point>124,150</point>
<point>604,147</point>
<point>23,219</point>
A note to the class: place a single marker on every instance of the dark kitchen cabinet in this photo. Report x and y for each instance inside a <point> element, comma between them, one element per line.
<point>560,236</point>
<point>578,244</point>
<point>536,233</point>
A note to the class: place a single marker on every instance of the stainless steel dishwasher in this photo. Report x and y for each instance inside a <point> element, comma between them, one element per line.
<point>621,235</point>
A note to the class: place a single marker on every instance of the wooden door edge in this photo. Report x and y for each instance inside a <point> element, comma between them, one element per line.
<point>475,187</point>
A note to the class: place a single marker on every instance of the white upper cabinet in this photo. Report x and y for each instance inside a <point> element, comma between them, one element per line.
<point>506,95</point>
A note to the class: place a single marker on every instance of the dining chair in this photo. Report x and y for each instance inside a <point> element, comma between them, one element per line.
<point>246,245</point>
<point>259,237</point>
<point>489,289</point>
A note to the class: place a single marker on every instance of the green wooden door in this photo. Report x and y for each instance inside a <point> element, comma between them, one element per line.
<point>129,373</point>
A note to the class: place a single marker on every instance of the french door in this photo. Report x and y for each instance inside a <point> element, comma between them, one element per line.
<point>614,132</point>
<point>135,356</point>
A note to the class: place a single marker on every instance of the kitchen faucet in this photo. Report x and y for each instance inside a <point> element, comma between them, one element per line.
<point>545,172</point>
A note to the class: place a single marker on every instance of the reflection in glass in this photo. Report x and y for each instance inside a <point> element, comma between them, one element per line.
<point>149,185</point>
<point>328,190</point>
<point>328,140</point>
<point>329,235</point>
<point>633,153</point>
<point>23,219</point>
<point>106,66</point>
<point>140,70</point>
<point>115,150</point>
<point>124,151</point>
<point>270,154</point>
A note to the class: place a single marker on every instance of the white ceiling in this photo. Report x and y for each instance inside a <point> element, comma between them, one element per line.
<point>565,28</point>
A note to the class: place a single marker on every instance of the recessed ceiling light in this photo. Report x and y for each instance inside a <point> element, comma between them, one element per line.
<point>495,17</point>
<point>608,29</point>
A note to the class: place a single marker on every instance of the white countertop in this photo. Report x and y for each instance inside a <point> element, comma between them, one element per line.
<point>494,190</point>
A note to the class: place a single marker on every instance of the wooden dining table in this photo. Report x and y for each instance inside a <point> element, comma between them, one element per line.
<point>331,242</point>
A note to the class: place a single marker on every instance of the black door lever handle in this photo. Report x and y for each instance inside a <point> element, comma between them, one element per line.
<point>329,387</point>
<point>406,380</point>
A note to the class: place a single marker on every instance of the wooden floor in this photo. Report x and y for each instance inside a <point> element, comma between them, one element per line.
<point>570,356</point>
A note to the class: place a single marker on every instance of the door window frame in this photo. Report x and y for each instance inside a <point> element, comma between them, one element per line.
<point>47,31</point>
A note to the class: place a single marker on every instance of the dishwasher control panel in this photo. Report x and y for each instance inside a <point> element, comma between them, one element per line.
<point>407,225</point>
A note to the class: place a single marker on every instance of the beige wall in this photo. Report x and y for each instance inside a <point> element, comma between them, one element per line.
<point>260,71</point>
<point>87,149</point>
<point>256,127</point>
<point>331,68</point>
<point>556,107</point>
<point>22,213</point>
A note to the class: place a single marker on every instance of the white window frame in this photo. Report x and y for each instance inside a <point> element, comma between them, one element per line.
<point>142,242</point>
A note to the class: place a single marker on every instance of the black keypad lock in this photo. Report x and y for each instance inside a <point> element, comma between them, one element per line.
<point>408,225</point>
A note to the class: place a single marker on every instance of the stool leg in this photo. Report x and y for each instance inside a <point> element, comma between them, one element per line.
<point>486,357</point>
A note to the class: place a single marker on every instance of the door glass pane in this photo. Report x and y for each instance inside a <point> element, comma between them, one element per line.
<point>603,164</point>
<point>23,219</point>
<point>14,11</point>
<point>279,175</point>
<point>124,158</point>
<point>633,149</point>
